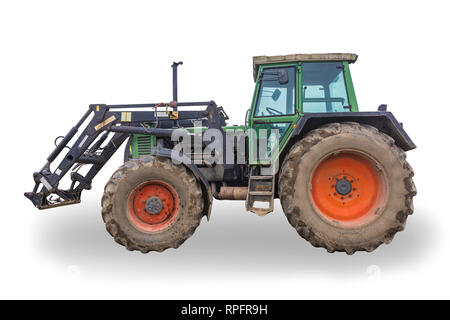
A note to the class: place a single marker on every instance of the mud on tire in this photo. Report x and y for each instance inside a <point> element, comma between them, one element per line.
<point>135,173</point>
<point>315,224</point>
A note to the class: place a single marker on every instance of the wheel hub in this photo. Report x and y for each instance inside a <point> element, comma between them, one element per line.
<point>153,205</point>
<point>343,186</point>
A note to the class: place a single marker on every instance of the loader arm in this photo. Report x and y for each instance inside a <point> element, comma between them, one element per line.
<point>116,123</point>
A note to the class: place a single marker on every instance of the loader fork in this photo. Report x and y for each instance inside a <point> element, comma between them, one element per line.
<point>46,192</point>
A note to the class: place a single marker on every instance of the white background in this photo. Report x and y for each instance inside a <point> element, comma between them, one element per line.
<point>57,57</point>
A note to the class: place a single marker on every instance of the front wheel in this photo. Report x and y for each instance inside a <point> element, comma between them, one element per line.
<point>346,187</point>
<point>151,204</point>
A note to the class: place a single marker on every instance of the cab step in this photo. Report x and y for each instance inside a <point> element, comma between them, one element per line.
<point>261,191</point>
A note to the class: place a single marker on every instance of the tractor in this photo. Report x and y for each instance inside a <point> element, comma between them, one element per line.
<point>341,175</point>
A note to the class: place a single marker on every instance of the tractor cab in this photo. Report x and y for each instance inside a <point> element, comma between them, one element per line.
<point>291,85</point>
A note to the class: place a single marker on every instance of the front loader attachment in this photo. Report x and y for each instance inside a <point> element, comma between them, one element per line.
<point>116,126</point>
<point>88,148</point>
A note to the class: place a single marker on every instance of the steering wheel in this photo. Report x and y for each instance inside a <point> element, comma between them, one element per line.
<point>273,111</point>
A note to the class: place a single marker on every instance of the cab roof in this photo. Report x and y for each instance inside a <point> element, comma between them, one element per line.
<point>300,57</point>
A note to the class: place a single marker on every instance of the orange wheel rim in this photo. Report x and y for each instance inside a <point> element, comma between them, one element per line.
<point>348,188</point>
<point>153,206</point>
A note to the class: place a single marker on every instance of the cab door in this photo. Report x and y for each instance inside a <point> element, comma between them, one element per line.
<point>275,109</point>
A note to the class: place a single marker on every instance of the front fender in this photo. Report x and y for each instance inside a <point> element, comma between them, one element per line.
<point>206,187</point>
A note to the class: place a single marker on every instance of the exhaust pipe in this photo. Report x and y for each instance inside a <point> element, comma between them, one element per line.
<point>233,193</point>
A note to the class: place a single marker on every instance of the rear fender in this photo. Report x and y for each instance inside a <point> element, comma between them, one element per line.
<point>382,120</point>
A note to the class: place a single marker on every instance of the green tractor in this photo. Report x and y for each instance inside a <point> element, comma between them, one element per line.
<point>341,175</point>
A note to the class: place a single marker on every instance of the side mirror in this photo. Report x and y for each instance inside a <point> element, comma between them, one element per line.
<point>276,94</point>
<point>283,76</point>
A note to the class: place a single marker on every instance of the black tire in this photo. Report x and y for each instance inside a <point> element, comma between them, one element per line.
<point>132,175</point>
<point>296,187</point>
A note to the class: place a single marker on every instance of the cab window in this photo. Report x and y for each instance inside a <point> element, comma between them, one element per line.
<point>323,87</point>
<point>276,95</point>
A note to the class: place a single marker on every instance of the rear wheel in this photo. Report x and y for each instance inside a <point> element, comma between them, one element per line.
<point>151,204</point>
<point>346,187</point>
